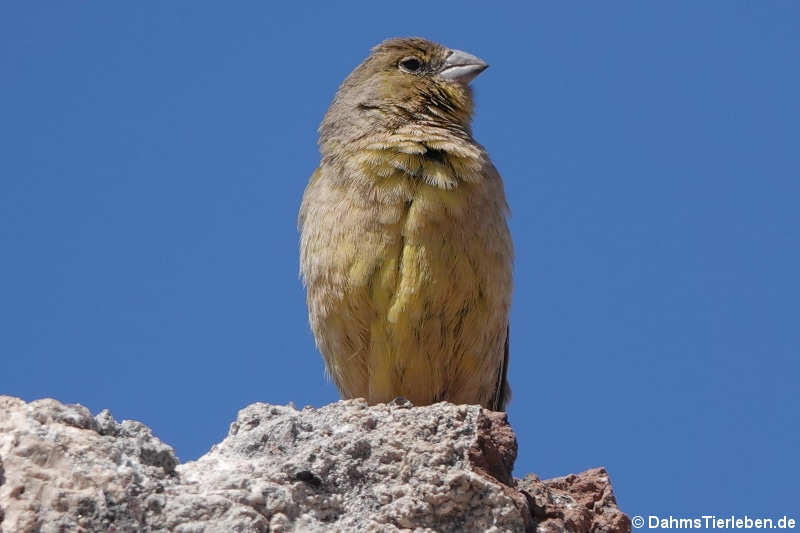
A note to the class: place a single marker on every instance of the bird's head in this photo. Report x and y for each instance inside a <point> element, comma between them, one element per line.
<point>406,81</point>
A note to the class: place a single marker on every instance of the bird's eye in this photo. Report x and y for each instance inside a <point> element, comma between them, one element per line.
<point>410,64</point>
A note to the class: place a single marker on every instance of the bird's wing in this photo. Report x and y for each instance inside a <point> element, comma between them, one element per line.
<point>502,394</point>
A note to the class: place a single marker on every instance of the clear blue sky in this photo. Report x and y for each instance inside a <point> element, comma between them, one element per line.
<point>154,156</point>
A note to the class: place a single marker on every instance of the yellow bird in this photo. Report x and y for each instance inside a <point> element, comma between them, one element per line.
<point>404,248</point>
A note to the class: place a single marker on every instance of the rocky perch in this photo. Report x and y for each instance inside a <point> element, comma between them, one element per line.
<point>344,467</point>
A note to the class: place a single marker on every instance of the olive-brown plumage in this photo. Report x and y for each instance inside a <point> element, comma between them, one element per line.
<point>404,250</point>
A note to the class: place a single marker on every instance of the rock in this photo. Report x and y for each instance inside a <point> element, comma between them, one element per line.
<point>64,470</point>
<point>577,502</point>
<point>344,467</point>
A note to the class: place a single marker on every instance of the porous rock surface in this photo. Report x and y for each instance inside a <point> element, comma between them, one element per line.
<point>343,467</point>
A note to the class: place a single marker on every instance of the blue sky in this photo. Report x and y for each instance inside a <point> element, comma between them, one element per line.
<point>154,156</point>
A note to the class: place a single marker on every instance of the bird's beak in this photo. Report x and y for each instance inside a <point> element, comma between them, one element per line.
<point>462,67</point>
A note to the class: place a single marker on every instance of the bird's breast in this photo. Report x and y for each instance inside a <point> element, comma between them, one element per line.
<point>407,264</point>
<point>422,254</point>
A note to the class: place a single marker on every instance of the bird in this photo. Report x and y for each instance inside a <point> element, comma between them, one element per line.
<point>405,251</point>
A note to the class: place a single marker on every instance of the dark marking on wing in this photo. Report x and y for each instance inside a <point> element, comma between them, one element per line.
<point>502,394</point>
